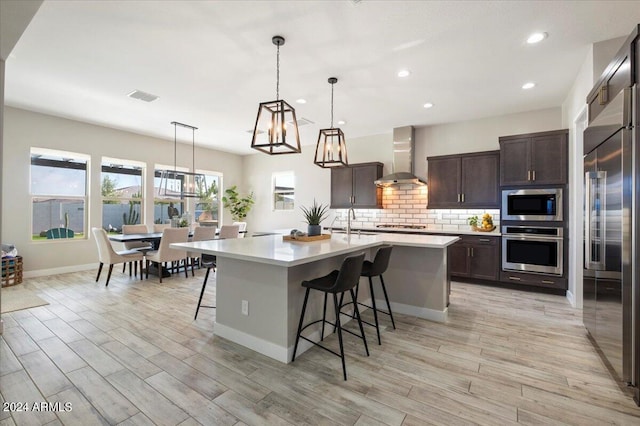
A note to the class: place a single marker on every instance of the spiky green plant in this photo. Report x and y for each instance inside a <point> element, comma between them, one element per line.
<point>316,213</point>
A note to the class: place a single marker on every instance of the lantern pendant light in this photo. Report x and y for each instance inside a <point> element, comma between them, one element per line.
<point>276,129</point>
<point>331,150</point>
<point>178,184</point>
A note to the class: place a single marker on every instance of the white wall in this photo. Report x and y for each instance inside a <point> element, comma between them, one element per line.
<point>312,182</point>
<point>25,129</point>
<point>479,135</point>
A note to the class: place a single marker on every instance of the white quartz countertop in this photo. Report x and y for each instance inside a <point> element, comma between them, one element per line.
<point>271,249</point>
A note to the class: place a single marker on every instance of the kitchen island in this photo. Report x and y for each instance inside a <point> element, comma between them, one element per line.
<point>263,274</point>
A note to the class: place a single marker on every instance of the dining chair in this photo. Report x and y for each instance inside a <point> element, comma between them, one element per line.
<point>165,253</point>
<point>209,261</point>
<point>200,233</point>
<point>159,227</point>
<point>108,255</point>
<point>141,246</point>
<point>242,228</point>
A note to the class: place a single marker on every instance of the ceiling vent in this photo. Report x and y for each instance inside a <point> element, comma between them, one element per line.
<point>302,122</point>
<point>143,96</point>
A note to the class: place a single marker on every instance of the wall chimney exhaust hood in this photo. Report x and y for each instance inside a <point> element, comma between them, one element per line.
<point>403,146</point>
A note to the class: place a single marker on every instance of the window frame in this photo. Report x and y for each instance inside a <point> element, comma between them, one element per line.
<point>274,191</point>
<point>131,166</point>
<point>80,162</point>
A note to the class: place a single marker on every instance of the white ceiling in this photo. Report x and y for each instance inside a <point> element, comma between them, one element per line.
<point>212,62</point>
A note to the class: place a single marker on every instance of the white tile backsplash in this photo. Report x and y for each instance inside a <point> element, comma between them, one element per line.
<point>407,204</point>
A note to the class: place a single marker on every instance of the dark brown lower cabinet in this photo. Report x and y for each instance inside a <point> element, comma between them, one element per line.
<point>475,257</point>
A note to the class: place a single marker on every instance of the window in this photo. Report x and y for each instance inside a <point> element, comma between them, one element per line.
<point>208,206</point>
<point>122,193</point>
<point>283,191</point>
<point>170,205</point>
<point>58,194</point>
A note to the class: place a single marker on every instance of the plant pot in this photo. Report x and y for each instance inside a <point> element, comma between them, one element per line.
<point>314,230</point>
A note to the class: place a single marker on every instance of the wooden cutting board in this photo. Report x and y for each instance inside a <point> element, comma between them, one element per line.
<point>307,238</point>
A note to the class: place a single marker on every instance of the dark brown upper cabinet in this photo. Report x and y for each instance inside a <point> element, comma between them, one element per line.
<point>534,159</point>
<point>353,186</point>
<point>464,180</point>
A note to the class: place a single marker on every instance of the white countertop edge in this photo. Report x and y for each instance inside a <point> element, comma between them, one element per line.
<point>406,240</point>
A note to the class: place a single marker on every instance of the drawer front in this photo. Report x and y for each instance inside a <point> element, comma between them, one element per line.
<point>534,279</point>
<point>480,240</point>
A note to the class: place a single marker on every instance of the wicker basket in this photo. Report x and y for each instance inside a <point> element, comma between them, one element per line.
<point>11,271</point>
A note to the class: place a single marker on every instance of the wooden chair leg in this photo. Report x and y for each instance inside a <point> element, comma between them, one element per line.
<point>148,262</point>
<point>186,271</point>
<point>109,275</point>
<point>99,271</point>
<point>124,268</point>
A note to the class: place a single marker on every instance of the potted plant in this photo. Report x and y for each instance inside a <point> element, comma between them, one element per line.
<point>238,206</point>
<point>313,216</point>
<point>207,201</point>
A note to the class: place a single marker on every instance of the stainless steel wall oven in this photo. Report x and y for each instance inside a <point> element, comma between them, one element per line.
<point>533,249</point>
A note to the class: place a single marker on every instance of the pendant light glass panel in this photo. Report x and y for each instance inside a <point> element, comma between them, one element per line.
<point>276,130</point>
<point>331,150</point>
<point>179,184</point>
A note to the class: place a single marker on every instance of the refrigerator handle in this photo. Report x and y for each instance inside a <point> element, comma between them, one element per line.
<point>587,220</point>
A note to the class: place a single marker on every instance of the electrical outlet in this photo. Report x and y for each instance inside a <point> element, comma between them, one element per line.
<point>245,307</point>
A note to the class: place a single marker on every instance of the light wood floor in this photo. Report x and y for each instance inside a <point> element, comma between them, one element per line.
<point>131,354</point>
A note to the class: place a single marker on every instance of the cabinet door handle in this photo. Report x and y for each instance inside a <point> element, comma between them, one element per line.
<point>484,240</point>
<point>548,282</point>
<point>528,175</point>
<point>462,197</point>
<point>533,174</point>
<point>471,251</point>
<point>515,278</point>
<point>458,197</point>
<point>468,252</point>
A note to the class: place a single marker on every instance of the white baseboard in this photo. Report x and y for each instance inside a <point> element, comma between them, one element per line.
<point>416,311</point>
<point>61,270</point>
<point>279,353</point>
<point>571,298</point>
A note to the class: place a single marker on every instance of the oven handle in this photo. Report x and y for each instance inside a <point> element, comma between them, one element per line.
<point>528,237</point>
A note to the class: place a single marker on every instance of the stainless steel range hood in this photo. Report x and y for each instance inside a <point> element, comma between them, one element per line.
<point>403,147</point>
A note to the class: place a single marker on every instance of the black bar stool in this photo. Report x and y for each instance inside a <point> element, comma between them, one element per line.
<point>335,282</point>
<point>372,269</point>
<point>207,261</point>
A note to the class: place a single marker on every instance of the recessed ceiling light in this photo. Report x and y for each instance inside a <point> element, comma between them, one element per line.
<point>403,73</point>
<point>301,101</point>
<point>428,105</point>
<point>536,38</point>
<point>341,122</point>
<point>529,85</point>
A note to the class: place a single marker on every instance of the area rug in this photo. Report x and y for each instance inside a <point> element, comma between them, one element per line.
<point>16,300</point>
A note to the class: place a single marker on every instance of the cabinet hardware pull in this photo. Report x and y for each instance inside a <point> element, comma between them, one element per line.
<point>515,278</point>
<point>458,197</point>
<point>484,240</point>
<point>528,174</point>
<point>463,197</point>
<point>468,252</point>
<point>471,251</point>
<point>602,94</point>
<point>534,175</point>
<point>548,282</point>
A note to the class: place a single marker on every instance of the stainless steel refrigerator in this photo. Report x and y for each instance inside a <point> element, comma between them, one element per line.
<point>608,285</point>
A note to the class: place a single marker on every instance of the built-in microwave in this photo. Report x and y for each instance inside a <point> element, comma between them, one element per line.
<point>532,204</point>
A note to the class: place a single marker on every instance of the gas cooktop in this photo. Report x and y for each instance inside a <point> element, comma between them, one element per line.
<point>400,226</point>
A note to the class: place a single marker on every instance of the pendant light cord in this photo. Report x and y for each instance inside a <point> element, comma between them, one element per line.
<point>278,73</point>
<point>332,105</point>
<point>175,147</point>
